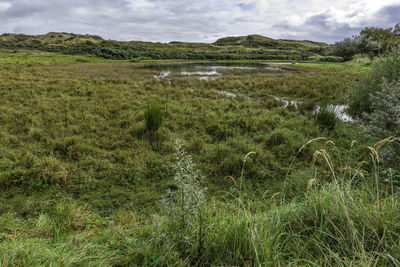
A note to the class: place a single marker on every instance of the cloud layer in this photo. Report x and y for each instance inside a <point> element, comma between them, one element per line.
<point>198,21</point>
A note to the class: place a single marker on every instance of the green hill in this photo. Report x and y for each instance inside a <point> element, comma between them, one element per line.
<point>229,48</point>
<point>258,41</point>
<point>51,38</point>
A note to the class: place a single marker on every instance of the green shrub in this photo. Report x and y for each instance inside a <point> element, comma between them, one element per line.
<point>154,117</point>
<point>386,69</point>
<point>326,117</point>
<point>385,120</point>
<point>386,103</point>
<point>345,49</point>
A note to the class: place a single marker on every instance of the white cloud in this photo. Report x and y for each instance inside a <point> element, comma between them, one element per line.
<point>4,6</point>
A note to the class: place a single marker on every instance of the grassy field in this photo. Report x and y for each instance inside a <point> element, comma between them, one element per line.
<point>83,182</point>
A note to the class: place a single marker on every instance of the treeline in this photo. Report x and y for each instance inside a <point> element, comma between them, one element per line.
<point>371,41</point>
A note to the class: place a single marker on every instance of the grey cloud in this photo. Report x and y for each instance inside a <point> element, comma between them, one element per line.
<point>322,26</point>
<point>25,8</point>
<point>390,14</point>
<point>168,20</point>
<point>353,14</point>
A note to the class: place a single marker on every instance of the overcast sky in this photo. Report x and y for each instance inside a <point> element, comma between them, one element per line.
<point>198,21</point>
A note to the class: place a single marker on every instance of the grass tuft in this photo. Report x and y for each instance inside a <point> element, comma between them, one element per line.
<point>154,117</point>
<point>327,117</point>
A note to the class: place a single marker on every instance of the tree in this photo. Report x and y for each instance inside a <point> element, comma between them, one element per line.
<point>377,41</point>
<point>345,49</point>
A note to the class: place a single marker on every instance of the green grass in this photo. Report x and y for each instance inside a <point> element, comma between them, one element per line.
<point>81,179</point>
<point>338,222</point>
<point>36,58</point>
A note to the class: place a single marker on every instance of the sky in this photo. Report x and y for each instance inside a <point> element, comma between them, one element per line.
<point>199,21</point>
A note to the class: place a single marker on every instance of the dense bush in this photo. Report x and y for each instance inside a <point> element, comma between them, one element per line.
<point>386,69</point>
<point>371,41</point>
<point>377,101</point>
<point>385,120</point>
<point>345,49</point>
<point>378,41</point>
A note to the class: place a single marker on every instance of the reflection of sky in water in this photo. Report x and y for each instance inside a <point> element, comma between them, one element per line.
<point>340,110</point>
<point>203,73</point>
<point>209,70</point>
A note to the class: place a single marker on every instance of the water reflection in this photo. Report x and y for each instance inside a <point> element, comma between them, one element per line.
<point>210,70</point>
<point>340,110</point>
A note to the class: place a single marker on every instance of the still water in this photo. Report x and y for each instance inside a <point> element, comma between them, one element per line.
<point>212,70</point>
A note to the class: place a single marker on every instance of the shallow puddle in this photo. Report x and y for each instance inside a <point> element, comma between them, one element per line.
<point>340,110</point>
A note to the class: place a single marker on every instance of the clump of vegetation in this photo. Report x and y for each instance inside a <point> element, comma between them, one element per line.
<point>326,117</point>
<point>377,41</point>
<point>385,120</point>
<point>387,70</point>
<point>154,117</point>
<point>345,49</point>
<point>371,41</point>
<point>376,101</point>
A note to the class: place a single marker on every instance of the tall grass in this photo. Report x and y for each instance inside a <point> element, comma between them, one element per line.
<point>154,117</point>
<point>344,215</point>
<point>341,221</point>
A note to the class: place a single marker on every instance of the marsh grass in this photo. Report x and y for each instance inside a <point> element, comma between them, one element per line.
<point>81,181</point>
<point>336,220</point>
<point>340,221</point>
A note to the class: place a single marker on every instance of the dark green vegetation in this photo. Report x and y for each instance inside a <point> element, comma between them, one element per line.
<point>370,41</point>
<point>82,179</point>
<point>385,70</point>
<point>246,47</point>
<point>376,101</point>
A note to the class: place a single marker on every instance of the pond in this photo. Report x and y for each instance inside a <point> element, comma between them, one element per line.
<point>213,70</point>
